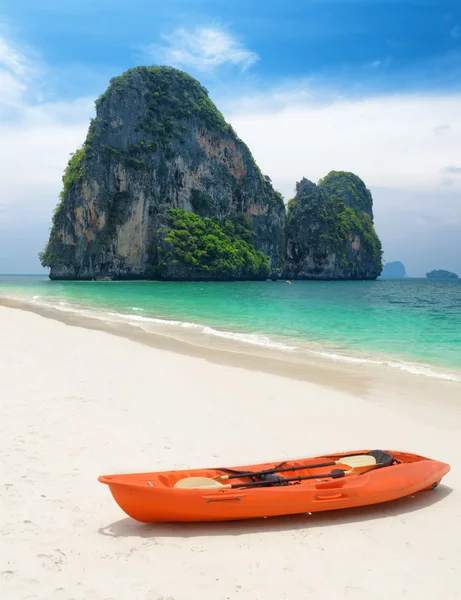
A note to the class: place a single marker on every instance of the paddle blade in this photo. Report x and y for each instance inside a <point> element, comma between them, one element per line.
<point>197,482</point>
<point>361,460</point>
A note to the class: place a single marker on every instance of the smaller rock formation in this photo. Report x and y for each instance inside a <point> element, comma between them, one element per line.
<point>330,232</point>
<point>441,274</point>
<point>393,270</point>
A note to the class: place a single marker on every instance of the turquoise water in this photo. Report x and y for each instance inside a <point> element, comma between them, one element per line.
<point>413,321</point>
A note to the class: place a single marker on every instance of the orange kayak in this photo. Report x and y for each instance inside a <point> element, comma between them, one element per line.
<point>321,483</point>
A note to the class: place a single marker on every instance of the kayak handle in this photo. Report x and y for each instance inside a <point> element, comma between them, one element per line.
<point>222,497</point>
<point>325,497</point>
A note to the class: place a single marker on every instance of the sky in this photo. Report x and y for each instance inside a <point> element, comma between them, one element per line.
<point>368,86</point>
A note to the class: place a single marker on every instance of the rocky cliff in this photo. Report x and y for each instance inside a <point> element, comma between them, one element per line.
<point>164,188</point>
<point>157,143</point>
<point>330,232</point>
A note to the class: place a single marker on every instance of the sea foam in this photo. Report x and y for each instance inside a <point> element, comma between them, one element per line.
<point>258,340</point>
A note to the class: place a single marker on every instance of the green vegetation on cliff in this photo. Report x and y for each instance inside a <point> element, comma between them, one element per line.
<point>324,220</point>
<point>170,95</point>
<point>346,188</point>
<point>201,248</point>
<point>441,274</point>
<point>73,173</point>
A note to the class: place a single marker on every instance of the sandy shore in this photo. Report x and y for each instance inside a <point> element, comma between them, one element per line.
<point>77,402</point>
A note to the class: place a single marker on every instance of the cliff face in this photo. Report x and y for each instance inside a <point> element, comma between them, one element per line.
<point>330,233</point>
<point>157,143</point>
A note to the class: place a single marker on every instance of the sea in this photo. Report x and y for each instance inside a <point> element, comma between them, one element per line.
<point>409,324</point>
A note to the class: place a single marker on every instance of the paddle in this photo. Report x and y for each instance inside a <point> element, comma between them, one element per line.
<point>354,461</point>
<point>373,459</point>
<point>206,483</point>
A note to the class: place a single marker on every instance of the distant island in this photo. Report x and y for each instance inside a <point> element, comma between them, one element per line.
<point>441,274</point>
<point>393,270</point>
<point>163,188</point>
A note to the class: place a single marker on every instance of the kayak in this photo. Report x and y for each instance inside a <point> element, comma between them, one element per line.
<point>321,483</point>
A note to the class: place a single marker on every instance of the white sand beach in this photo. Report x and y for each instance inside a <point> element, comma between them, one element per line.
<point>77,402</point>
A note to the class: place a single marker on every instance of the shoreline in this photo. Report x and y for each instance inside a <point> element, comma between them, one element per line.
<point>362,379</point>
<point>316,339</point>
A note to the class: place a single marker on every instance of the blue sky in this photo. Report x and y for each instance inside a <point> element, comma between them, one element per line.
<point>372,86</point>
<point>386,44</point>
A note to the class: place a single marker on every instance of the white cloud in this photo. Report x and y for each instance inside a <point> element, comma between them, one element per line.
<point>36,138</point>
<point>382,63</point>
<point>389,141</point>
<point>12,90</point>
<point>420,228</point>
<point>34,153</point>
<point>21,74</point>
<point>405,148</point>
<point>13,76</point>
<point>203,48</point>
<point>11,59</point>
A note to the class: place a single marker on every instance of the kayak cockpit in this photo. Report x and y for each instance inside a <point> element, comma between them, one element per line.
<point>301,471</point>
